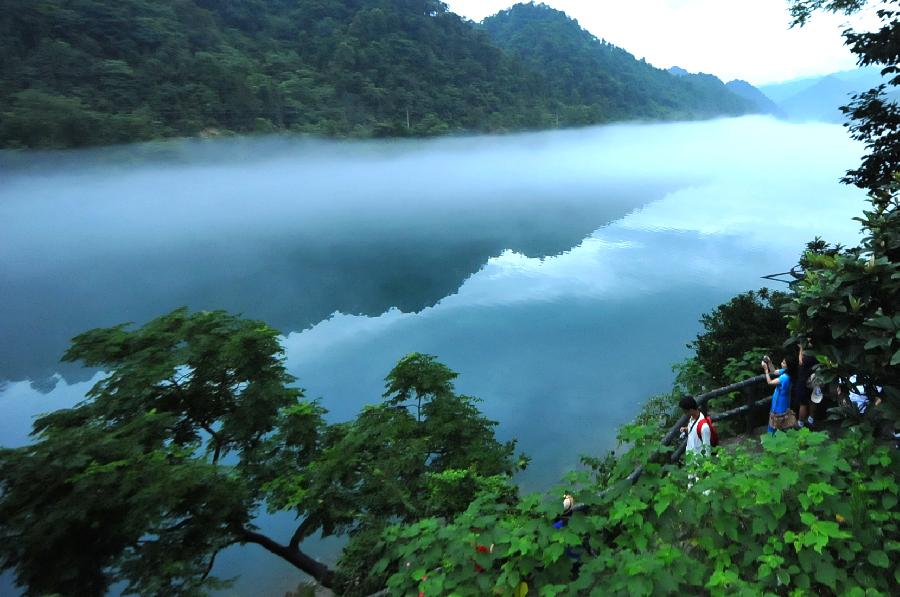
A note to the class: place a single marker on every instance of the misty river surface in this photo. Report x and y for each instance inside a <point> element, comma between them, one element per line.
<point>560,273</point>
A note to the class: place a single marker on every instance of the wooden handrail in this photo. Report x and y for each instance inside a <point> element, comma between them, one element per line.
<point>728,414</point>
<point>702,399</point>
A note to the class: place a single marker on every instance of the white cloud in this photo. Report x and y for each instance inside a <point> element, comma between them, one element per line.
<point>732,39</point>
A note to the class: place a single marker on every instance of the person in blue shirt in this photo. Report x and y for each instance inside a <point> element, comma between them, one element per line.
<point>780,415</point>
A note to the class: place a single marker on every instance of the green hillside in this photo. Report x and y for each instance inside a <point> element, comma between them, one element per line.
<point>90,72</point>
<point>593,80</point>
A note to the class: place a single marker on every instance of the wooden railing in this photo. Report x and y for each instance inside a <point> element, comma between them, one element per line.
<point>728,414</point>
<point>675,431</point>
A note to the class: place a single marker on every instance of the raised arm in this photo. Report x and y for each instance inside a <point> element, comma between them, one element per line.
<point>769,379</point>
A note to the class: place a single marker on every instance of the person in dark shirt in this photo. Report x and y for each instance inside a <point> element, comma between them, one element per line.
<point>800,390</point>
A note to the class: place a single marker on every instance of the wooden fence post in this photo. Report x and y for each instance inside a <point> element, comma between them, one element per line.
<point>748,419</point>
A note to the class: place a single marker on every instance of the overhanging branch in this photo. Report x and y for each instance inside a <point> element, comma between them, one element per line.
<point>304,529</point>
<point>319,571</point>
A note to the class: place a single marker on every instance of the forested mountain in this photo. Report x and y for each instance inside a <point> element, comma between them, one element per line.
<point>87,72</point>
<point>594,81</point>
<point>760,100</point>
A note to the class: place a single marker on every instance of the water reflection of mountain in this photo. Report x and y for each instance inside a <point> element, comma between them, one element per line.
<point>360,263</point>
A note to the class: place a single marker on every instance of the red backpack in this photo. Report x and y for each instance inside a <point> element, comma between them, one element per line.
<point>713,436</point>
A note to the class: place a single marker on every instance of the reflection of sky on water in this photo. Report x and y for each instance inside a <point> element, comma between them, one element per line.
<point>582,337</point>
<point>19,403</point>
<point>562,347</point>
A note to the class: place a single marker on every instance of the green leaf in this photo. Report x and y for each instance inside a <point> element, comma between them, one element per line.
<point>839,328</point>
<point>552,590</point>
<point>553,552</point>
<point>879,558</point>
<point>661,505</point>
<point>895,360</point>
<point>826,573</point>
<point>879,342</point>
<point>882,322</point>
<point>783,577</point>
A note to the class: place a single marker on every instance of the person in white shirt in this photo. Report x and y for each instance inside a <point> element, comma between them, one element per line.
<point>699,437</point>
<point>698,429</point>
<point>857,395</point>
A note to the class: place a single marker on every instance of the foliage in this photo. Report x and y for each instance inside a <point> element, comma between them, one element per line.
<point>690,377</point>
<point>849,297</point>
<point>89,72</point>
<point>80,507</point>
<point>805,516</point>
<point>748,321</point>
<point>802,10</point>
<point>848,304</point>
<point>196,427</point>
<point>746,365</point>
<point>125,485</point>
<point>740,368</point>
<point>389,466</point>
<point>660,411</point>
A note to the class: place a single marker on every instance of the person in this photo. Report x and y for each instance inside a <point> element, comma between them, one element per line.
<point>817,396</point>
<point>699,427</point>
<point>858,396</point>
<point>701,437</point>
<point>780,414</point>
<point>562,521</point>
<point>801,392</point>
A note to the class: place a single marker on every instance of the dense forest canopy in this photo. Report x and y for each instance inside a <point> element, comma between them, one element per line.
<point>593,81</point>
<point>89,72</point>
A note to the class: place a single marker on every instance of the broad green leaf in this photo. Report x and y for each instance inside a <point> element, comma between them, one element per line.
<point>895,360</point>
<point>825,573</point>
<point>879,558</point>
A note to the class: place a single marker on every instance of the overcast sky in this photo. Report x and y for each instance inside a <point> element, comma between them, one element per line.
<point>732,39</point>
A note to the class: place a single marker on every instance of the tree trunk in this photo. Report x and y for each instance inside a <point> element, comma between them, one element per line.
<point>319,571</point>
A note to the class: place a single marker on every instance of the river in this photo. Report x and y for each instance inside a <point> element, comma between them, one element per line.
<point>560,273</point>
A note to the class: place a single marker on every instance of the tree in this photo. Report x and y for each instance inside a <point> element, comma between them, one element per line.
<point>749,321</point>
<point>196,427</point>
<point>849,298</point>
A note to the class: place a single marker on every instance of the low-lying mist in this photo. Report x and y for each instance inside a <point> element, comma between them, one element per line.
<point>292,230</point>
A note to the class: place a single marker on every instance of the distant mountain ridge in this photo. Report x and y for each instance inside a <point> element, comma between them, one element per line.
<point>757,98</point>
<point>93,72</point>
<point>762,102</point>
<point>820,98</point>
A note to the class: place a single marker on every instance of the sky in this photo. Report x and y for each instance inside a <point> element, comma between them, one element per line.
<point>732,39</point>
